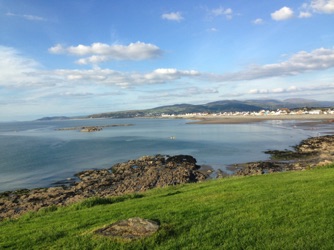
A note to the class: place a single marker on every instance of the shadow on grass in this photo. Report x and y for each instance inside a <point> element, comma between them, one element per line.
<point>95,201</point>
<point>171,193</point>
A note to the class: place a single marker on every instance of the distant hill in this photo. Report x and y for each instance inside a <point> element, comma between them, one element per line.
<point>54,118</point>
<point>218,106</point>
<point>231,106</point>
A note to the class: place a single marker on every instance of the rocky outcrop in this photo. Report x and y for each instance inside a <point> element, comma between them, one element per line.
<point>93,128</point>
<point>137,175</point>
<point>310,153</point>
<point>255,168</point>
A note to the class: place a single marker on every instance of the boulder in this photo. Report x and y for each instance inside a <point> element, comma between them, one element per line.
<point>130,229</point>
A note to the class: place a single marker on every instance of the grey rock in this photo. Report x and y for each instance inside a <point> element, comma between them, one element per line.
<point>133,228</point>
<point>138,175</point>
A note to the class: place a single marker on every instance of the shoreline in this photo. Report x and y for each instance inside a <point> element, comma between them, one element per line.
<point>149,172</point>
<point>241,119</point>
<point>54,177</point>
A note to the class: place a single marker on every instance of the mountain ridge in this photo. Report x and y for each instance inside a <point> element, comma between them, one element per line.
<point>219,106</point>
<point>251,105</point>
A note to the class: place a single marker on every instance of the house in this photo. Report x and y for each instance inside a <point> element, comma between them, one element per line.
<point>315,112</point>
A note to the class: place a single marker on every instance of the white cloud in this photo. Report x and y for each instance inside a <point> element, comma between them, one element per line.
<point>282,14</point>
<point>179,93</point>
<point>258,21</point>
<point>304,14</point>
<point>318,59</point>
<point>163,75</point>
<point>322,6</point>
<point>17,70</point>
<point>101,52</point>
<point>200,91</point>
<point>278,90</point>
<point>93,60</point>
<point>221,11</point>
<point>25,84</point>
<point>258,91</point>
<point>228,13</point>
<point>172,16</point>
<point>212,30</point>
<point>85,94</point>
<point>125,79</point>
<point>298,63</point>
<point>57,49</point>
<point>28,89</point>
<point>316,6</point>
<point>293,89</point>
<point>27,17</point>
<point>274,90</point>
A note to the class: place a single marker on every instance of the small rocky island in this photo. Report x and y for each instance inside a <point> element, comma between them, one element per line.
<point>149,172</point>
<point>93,128</point>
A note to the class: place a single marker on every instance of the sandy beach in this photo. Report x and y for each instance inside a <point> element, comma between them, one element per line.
<point>239,119</point>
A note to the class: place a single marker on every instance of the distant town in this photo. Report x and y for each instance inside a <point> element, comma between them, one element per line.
<point>278,112</point>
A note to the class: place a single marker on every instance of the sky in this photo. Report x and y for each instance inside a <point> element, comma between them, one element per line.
<point>74,57</point>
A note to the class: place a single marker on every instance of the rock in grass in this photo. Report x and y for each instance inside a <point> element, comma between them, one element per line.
<point>130,229</point>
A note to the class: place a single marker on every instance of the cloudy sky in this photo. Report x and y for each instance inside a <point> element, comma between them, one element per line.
<point>74,57</point>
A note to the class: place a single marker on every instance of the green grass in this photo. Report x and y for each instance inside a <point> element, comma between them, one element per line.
<point>292,210</point>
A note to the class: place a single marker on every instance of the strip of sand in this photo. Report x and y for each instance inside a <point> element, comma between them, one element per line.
<point>239,119</point>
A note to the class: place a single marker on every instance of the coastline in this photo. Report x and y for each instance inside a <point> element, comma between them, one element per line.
<point>149,172</point>
<point>102,149</point>
<point>240,119</point>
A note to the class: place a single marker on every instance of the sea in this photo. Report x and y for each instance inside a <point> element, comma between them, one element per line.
<point>37,154</point>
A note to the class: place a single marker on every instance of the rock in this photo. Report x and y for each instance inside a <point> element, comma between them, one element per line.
<point>179,159</point>
<point>130,229</point>
<point>324,163</point>
<point>220,174</point>
<point>91,129</point>
<point>312,152</point>
<point>256,168</point>
<point>132,176</point>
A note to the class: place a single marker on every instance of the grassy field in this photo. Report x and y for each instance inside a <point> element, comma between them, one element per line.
<point>292,210</point>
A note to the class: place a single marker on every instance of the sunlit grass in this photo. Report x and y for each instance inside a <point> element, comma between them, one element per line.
<point>292,210</point>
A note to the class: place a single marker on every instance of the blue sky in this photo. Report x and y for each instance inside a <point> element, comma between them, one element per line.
<point>71,57</point>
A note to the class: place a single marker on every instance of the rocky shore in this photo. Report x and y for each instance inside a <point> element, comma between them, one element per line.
<point>149,172</point>
<point>310,153</point>
<point>132,176</point>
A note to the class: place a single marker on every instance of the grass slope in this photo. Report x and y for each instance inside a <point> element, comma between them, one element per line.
<point>292,210</point>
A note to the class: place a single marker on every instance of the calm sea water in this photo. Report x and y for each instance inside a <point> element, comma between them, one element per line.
<point>35,154</point>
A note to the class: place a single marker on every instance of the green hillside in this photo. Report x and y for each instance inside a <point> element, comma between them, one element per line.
<point>291,210</point>
<point>216,107</point>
